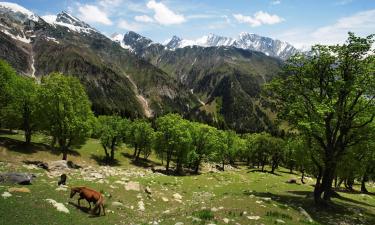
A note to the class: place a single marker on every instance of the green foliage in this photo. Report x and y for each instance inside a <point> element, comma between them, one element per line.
<point>66,110</point>
<point>173,140</point>
<point>111,132</point>
<point>23,111</point>
<point>141,136</point>
<point>7,79</point>
<point>328,95</point>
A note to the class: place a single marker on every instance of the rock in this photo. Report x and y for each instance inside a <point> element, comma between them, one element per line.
<point>141,206</point>
<point>292,181</point>
<point>253,217</point>
<point>17,178</point>
<point>22,190</point>
<point>97,175</point>
<point>214,209</point>
<point>165,199</point>
<point>148,190</point>
<point>177,196</point>
<point>58,165</point>
<point>166,211</point>
<point>6,194</point>
<point>134,186</point>
<point>226,220</point>
<point>61,188</point>
<point>305,214</point>
<point>179,223</point>
<point>280,221</point>
<point>117,204</point>
<point>120,182</point>
<point>59,206</point>
<point>31,167</point>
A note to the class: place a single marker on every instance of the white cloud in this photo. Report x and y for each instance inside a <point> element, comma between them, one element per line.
<point>163,15</point>
<point>276,2</point>
<point>123,24</point>
<point>92,14</point>
<point>144,19</point>
<point>258,19</point>
<point>361,23</point>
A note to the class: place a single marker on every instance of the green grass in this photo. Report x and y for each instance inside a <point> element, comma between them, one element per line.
<point>206,198</point>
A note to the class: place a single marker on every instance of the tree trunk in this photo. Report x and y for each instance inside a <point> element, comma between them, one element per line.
<point>168,161</point>
<point>303,176</point>
<point>64,149</point>
<point>223,164</point>
<point>26,124</point>
<point>137,156</point>
<point>106,152</point>
<point>363,183</point>
<point>27,137</point>
<point>135,151</point>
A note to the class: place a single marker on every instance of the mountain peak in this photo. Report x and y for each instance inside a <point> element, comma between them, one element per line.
<point>67,20</point>
<point>17,9</point>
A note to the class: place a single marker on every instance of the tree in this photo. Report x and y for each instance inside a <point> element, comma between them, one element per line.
<point>111,132</point>
<point>7,80</point>
<point>22,111</point>
<point>173,140</point>
<point>203,143</point>
<point>328,95</point>
<point>227,145</point>
<point>66,110</point>
<point>141,137</point>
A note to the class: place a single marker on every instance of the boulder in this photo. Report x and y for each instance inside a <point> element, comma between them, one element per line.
<point>16,178</point>
<point>58,165</point>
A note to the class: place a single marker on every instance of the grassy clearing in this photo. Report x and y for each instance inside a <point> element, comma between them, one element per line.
<point>231,197</point>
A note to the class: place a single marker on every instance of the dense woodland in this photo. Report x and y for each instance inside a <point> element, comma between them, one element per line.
<point>326,98</point>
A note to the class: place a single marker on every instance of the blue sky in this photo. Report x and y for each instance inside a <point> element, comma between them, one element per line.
<point>300,22</point>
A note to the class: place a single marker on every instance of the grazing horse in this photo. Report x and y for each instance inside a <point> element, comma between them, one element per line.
<point>90,196</point>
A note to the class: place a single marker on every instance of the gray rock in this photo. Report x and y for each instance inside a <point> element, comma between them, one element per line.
<point>58,165</point>
<point>16,178</point>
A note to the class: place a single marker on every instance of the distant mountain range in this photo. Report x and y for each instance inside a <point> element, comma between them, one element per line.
<point>212,79</point>
<point>244,40</point>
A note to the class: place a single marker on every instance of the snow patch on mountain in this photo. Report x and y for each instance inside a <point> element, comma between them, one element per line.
<point>17,37</point>
<point>119,38</point>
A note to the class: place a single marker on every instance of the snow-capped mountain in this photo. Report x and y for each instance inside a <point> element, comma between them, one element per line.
<point>268,46</point>
<point>66,20</point>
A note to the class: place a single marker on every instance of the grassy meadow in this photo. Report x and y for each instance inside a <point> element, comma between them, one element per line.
<point>235,196</point>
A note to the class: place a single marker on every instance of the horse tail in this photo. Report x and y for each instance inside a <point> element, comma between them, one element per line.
<point>100,204</point>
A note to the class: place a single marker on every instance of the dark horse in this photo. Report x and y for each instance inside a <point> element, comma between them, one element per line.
<point>90,196</point>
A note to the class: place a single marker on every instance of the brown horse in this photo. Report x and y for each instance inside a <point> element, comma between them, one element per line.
<point>90,196</point>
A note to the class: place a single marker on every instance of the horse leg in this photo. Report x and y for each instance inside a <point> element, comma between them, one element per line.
<point>79,201</point>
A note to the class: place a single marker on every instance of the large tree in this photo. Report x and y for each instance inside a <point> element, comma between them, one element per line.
<point>7,80</point>
<point>111,131</point>
<point>23,109</point>
<point>204,141</point>
<point>173,140</point>
<point>66,109</point>
<point>328,95</point>
<point>141,137</point>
